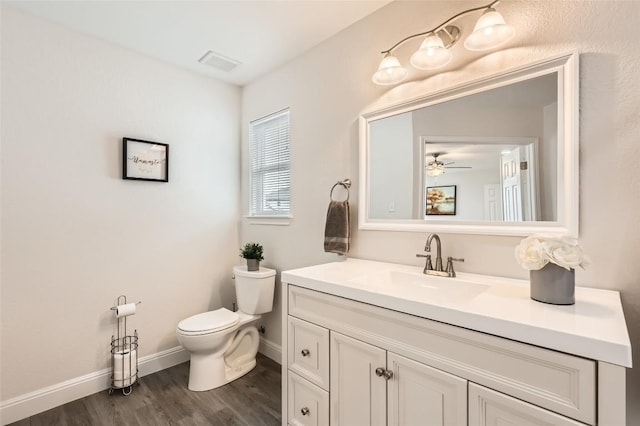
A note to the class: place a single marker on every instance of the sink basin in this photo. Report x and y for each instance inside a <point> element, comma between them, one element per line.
<point>420,286</point>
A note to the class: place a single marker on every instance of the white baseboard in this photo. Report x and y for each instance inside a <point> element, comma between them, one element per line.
<point>162,360</point>
<point>270,350</point>
<point>44,399</point>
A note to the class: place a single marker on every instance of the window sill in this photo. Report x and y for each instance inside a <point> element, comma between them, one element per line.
<point>269,220</point>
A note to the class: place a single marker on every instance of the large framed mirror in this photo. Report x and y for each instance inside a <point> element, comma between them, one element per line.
<point>496,156</point>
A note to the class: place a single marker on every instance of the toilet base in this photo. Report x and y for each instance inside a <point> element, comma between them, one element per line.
<point>207,374</point>
<point>237,372</point>
<point>210,371</point>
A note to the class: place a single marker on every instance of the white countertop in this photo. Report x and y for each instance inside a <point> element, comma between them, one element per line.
<point>593,328</point>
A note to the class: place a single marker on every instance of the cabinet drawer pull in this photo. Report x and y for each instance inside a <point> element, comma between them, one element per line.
<point>379,371</point>
<point>305,352</point>
<point>304,411</point>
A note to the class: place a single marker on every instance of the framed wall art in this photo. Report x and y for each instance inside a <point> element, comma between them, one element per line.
<point>145,160</point>
<point>441,200</point>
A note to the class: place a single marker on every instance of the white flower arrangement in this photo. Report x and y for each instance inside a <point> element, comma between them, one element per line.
<point>534,252</point>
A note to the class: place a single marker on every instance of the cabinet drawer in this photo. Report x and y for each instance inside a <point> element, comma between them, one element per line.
<point>307,404</point>
<point>559,382</point>
<point>490,408</point>
<point>309,351</point>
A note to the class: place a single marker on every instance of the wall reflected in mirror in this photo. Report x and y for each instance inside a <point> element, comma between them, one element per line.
<point>499,148</point>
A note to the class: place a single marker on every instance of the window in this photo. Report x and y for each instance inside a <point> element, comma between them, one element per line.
<point>270,162</point>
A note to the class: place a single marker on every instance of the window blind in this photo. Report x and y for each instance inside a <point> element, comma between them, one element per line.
<point>270,159</point>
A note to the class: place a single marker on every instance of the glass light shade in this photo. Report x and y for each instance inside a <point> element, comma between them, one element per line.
<point>389,72</point>
<point>490,31</point>
<point>431,55</point>
<point>435,168</point>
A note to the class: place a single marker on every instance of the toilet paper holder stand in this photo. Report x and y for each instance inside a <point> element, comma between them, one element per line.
<point>124,354</point>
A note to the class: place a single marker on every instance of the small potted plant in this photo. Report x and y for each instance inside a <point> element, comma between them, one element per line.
<point>253,253</point>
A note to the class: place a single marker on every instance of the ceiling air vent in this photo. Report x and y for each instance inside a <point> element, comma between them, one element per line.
<point>218,61</point>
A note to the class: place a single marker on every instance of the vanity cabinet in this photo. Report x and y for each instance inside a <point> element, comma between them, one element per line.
<point>335,345</point>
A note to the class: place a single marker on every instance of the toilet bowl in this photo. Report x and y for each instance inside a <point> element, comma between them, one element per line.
<point>223,344</point>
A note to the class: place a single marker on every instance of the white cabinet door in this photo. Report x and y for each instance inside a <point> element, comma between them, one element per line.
<point>421,395</point>
<point>358,396</point>
<point>491,408</point>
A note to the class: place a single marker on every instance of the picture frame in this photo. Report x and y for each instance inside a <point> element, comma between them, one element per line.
<point>145,160</point>
<point>441,200</point>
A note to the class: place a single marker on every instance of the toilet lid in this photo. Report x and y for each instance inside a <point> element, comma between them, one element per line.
<point>209,322</point>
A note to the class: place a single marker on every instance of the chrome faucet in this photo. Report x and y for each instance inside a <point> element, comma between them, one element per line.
<point>438,270</point>
<point>427,248</point>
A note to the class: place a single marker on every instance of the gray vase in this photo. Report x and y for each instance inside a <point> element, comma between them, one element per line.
<point>553,284</point>
<point>253,265</point>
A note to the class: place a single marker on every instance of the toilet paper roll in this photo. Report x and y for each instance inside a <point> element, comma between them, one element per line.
<point>125,310</point>
<point>125,369</point>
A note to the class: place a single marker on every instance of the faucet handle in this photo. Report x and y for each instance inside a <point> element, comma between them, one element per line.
<point>450,271</point>
<point>427,266</point>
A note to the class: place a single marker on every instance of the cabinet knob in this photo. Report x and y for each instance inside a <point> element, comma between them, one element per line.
<point>381,372</point>
<point>305,352</point>
<point>304,411</point>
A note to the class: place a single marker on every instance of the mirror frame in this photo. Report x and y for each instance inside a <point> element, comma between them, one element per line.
<point>567,219</point>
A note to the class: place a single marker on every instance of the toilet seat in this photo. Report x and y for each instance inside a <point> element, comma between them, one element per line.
<point>208,322</point>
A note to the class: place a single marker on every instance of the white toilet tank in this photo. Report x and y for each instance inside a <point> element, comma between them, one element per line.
<point>254,289</point>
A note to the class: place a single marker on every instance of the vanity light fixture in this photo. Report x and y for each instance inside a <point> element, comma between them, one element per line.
<point>490,31</point>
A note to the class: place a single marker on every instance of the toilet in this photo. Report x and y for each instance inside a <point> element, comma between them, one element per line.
<point>223,344</point>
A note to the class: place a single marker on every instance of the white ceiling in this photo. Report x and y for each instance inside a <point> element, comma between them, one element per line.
<point>262,35</point>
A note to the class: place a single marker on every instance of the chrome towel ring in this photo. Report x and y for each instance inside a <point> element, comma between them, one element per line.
<point>346,184</point>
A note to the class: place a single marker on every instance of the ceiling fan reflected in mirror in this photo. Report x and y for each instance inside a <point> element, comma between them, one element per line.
<point>437,167</point>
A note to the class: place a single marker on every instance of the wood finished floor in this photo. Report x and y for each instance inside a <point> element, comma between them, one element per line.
<point>162,398</point>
